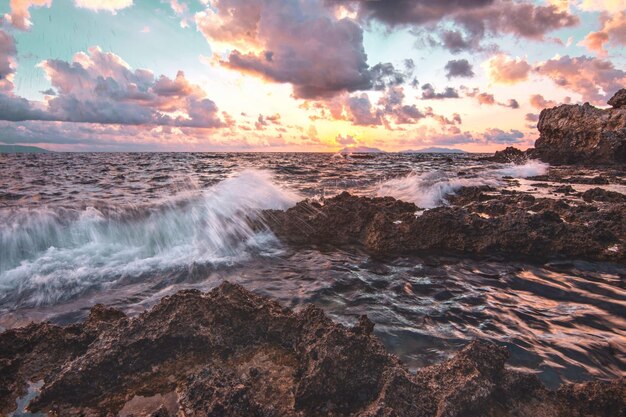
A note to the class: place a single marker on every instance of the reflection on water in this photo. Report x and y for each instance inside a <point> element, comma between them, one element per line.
<point>568,321</point>
<point>128,229</point>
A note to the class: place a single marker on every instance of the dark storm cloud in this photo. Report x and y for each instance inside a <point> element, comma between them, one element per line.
<point>474,19</point>
<point>459,68</point>
<point>408,12</point>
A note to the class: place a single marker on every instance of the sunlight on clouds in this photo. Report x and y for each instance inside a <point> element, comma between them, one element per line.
<point>108,5</point>
<point>507,70</point>
<point>20,14</point>
<point>612,6</point>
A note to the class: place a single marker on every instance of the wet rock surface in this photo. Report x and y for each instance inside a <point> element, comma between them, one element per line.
<point>230,352</point>
<point>479,221</point>
<point>574,134</point>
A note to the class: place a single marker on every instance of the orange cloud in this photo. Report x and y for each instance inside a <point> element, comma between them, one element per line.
<point>507,70</point>
<point>613,32</point>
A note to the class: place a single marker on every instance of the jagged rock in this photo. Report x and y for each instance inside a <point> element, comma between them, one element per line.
<point>573,134</point>
<point>618,100</point>
<point>516,226</point>
<point>233,353</point>
<point>509,154</point>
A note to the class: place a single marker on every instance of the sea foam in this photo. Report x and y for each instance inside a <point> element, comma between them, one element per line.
<point>430,189</point>
<point>48,255</point>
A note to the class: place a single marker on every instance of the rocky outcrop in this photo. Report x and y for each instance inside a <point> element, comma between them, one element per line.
<point>618,100</point>
<point>509,155</point>
<point>232,353</point>
<point>515,225</point>
<point>574,134</point>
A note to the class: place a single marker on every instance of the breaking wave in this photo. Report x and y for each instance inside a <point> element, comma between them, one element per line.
<point>47,255</point>
<point>430,189</point>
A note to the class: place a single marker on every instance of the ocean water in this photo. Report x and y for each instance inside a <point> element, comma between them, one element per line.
<point>128,229</point>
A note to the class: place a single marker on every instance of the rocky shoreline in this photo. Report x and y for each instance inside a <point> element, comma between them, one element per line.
<point>480,221</point>
<point>230,352</point>
<point>577,135</point>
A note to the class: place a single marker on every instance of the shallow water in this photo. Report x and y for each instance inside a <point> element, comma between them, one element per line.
<point>127,229</point>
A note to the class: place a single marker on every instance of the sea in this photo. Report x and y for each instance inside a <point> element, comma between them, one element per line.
<point>126,229</point>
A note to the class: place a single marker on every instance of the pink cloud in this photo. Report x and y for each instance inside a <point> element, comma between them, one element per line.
<point>99,87</point>
<point>613,31</point>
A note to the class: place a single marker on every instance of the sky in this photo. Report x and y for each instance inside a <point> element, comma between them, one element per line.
<point>300,75</point>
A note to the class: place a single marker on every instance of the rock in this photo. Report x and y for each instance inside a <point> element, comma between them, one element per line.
<point>509,154</point>
<point>565,189</point>
<point>618,100</point>
<point>574,134</point>
<point>600,194</point>
<point>516,226</point>
<point>233,353</point>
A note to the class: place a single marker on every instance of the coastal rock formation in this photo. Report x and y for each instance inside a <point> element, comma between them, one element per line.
<point>574,134</point>
<point>509,155</point>
<point>233,353</point>
<point>515,225</point>
<point>618,100</point>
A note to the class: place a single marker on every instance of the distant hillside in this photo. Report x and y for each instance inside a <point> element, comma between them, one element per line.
<point>360,149</point>
<point>435,150</point>
<point>21,149</point>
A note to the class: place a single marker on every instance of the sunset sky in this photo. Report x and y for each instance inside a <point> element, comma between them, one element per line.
<point>299,75</point>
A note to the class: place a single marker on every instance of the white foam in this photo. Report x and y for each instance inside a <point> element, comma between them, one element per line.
<point>429,190</point>
<point>47,255</point>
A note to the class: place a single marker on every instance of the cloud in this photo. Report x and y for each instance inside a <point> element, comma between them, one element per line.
<point>181,9</point>
<point>106,5</point>
<point>99,87</point>
<point>506,70</point>
<point>613,32</point>
<point>360,109</point>
<point>540,103</point>
<point>13,107</point>
<point>512,103</point>
<point>502,137</point>
<point>594,79</point>
<point>611,6</point>
<point>474,19</point>
<point>345,140</point>
<point>531,117</point>
<point>104,137</point>
<point>298,42</point>
<point>7,61</point>
<point>391,110</point>
<point>19,15</point>
<point>485,98</point>
<point>429,93</point>
<point>442,120</point>
<point>459,68</point>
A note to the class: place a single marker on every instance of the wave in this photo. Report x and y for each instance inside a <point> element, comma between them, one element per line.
<point>47,255</point>
<point>430,189</point>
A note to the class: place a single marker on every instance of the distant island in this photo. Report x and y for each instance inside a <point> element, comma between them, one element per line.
<point>435,150</point>
<point>22,149</point>
<point>360,149</point>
